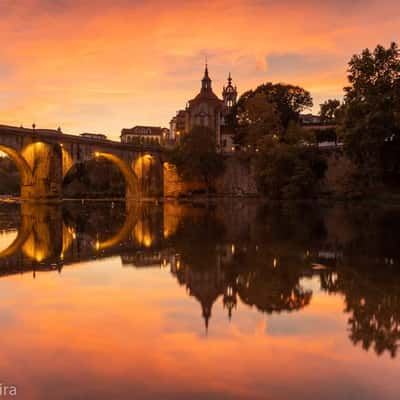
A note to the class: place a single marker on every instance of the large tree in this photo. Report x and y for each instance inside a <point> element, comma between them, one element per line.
<point>256,119</point>
<point>196,157</point>
<point>370,124</point>
<point>287,101</point>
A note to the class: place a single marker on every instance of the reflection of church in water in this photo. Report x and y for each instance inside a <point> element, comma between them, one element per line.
<point>206,286</point>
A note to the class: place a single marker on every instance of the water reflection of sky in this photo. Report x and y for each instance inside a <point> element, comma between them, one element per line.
<point>106,328</point>
<point>7,237</point>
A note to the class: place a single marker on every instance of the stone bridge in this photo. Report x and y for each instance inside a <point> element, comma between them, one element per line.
<point>44,157</point>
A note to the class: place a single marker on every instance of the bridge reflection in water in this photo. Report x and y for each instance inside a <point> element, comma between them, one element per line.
<point>230,253</point>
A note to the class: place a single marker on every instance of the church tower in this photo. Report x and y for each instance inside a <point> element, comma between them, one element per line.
<point>229,94</point>
<point>206,81</point>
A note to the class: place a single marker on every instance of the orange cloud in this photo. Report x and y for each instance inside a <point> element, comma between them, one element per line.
<point>110,65</point>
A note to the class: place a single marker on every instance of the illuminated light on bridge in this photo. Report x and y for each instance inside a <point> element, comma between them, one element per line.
<point>39,256</point>
<point>147,241</point>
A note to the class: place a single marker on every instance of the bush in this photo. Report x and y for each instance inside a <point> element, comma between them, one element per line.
<point>290,171</point>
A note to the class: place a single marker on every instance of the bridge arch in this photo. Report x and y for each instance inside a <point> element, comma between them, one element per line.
<point>129,175</point>
<point>22,165</point>
<point>67,160</point>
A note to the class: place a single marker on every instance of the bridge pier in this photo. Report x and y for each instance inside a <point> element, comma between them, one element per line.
<point>45,162</point>
<point>149,172</point>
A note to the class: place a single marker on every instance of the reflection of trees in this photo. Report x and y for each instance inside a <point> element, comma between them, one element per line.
<point>263,265</point>
<point>269,273</point>
<point>369,278</point>
<point>372,297</point>
<point>273,292</point>
<point>210,266</point>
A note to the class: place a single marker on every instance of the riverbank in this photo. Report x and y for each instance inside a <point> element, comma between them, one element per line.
<point>386,200</point>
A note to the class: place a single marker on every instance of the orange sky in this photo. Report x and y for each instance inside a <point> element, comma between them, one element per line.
<point>99,66</point>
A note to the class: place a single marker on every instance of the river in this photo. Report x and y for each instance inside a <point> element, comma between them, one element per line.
<point>226,300</point>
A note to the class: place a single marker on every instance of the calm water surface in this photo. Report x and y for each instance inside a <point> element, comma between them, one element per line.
<point>178,301</point>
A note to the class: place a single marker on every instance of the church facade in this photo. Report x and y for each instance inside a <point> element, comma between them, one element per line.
<point>208,110</point>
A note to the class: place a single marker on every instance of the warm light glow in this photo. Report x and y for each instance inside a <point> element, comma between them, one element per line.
<point>98,89</point>
<point>39,256</point>
<point>147,241</point>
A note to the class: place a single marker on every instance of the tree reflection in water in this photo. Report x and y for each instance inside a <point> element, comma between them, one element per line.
<point>230,252</point>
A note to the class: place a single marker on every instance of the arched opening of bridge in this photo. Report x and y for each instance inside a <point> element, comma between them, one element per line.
<point>14,171</point>
<point>101,177</point>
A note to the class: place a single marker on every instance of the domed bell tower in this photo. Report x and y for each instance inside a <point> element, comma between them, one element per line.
<point>229,94</point>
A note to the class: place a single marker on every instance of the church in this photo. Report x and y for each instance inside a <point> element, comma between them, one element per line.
<point>208,110</point>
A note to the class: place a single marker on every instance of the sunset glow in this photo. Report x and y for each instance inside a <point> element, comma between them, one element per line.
<point>99,67</point>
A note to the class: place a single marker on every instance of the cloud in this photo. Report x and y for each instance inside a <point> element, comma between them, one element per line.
<point>137,62</point>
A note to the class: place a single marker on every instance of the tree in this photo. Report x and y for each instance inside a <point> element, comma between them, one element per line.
<point>196,157</point>
<point>329,111</point>
<point>370,125</point>
<point>289,170</point>
<point>256,119</point>
<point>288,100</point>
